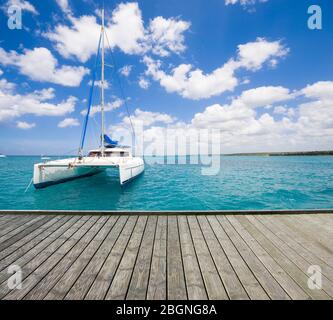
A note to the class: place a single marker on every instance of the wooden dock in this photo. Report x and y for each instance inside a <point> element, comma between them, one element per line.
<point>185,256</point>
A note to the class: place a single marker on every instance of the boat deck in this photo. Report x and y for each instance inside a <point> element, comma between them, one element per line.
<point>184,256</point>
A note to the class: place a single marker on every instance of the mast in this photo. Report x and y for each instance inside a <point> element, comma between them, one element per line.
<point>102,86</point>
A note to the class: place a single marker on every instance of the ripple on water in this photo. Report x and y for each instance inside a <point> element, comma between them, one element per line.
<point>243,183</point>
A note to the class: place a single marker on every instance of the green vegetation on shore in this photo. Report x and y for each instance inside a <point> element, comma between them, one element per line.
<point>281,154</point>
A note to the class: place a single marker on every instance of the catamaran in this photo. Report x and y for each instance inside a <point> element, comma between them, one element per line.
<point>108,156</point>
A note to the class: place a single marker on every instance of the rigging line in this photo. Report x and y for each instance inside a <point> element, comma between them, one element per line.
<point>120,86</point>
<point>32,179</point>
<point>84,129</point>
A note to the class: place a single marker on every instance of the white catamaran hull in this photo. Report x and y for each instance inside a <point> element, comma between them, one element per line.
<point>55,172</point>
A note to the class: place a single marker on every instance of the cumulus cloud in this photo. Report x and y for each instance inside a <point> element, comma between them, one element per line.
<point>98,83</point>
<point>40,65</point>
<point>244,2</point>
<point>23,4</point>
<point>14,105</point>
<point>68,122</point>
<point>125,31</point>
<point>167,35</point>
<point>126,70</point>
<point>263,96</point>
<point>253,55</point>
<point>148,118</point>
<point>244,126</point>
<point>144,83</point>
<point>322,90</point>
<point>25,125</point>
<point>110,106</point>
<point>64,6</point>
<point>194,84</point>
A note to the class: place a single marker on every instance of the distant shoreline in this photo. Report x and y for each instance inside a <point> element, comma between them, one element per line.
<point>284,154</point>
<point>257,154</point>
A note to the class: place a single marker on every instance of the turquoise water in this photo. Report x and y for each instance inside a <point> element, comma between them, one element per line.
<point>243,183</point>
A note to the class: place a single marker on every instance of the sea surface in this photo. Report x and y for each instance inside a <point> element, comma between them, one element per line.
<point>242,183</point>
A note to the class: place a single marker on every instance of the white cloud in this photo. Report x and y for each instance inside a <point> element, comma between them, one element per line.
<point>322,90</point>
<point>263,96</point>
<point>126,70</point>
<point>99,84</point>
<point>195,84</point>
<point>243,2</point>
<point>242,127</point>
<point>80,40</point>
<point>14,105</point>
<point>125,31</point>
<point>284,110</point>
<point>1,72</point>
<point>40,65</point>
<point>253,55</point>
<point>116,104</point>
<point>23,4</point>
<point>6,86</point>
<point>64,6</point>
<point>167,35</point>
<point>144,83</point>
<point>148,118</point>
<point>68,122</point>
<point>25,125</point>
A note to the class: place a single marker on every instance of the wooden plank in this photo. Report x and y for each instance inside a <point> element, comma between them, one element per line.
<point>20,248</point>
<point>105,276</point>
<point>17,245</point>
<point>12,230</point>
<point>122,278</point>
<point>46,260</point>
<point>281,232</point>
<point>83,256</point>
<point>7,220</point>
<point>87,277</point>
<point>317,230</point>
<point>22,233</point>
<point>244,273</point>
<point>35,255</point>
<point>213,283</point>
<point>166,257</point>
<point>266,280</point>
<point>63,261</point>
<point>15,223</point>
<point>176,288</point>
<point>139,282</point>
<point>307,240</point>
<point>194,281</point>
<point>157,280</point>
<point>287,263</point>
<point>292,255</point>
<point>228,275</point>
<point>18,240</point>
<point>286,282</point>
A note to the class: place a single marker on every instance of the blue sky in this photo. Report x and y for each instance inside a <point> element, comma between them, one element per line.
<point>252,69</point>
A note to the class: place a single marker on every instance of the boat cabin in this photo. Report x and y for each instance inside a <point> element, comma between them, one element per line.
<point>114,152</point>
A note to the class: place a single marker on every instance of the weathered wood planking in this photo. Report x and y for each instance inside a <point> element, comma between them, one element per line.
<point>165,256</point>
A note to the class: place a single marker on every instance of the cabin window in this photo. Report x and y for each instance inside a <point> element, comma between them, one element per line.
<point>94,154</point>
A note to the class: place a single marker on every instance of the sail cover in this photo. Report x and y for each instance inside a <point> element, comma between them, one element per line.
<point>109,142</point>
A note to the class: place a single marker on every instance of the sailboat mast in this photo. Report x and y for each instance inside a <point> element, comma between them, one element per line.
<point>102,86</point>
